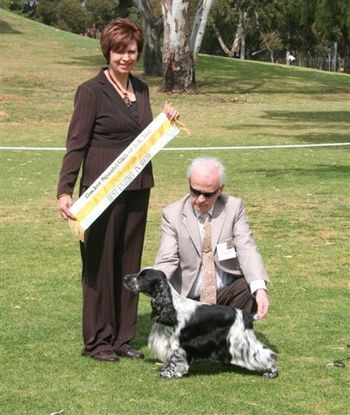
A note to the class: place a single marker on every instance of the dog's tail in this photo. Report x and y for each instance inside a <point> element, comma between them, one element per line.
<point>255,316</point>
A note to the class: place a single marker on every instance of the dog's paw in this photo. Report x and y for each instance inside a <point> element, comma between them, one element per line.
<point>271,374</point>
<point>167,373</point>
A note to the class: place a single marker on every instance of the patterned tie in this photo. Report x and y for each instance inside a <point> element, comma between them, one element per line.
<point>208,286</point>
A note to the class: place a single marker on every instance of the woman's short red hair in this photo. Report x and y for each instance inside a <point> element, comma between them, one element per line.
<point>118,34</point>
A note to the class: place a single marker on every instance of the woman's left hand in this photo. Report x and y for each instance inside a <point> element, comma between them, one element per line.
<point>171,112</point>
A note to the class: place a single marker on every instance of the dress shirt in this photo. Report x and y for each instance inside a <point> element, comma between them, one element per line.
<point>223,278</point>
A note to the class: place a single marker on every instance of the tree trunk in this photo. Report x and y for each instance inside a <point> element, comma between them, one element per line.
<point>153,31</point>
<point>221,40</point>
<point>178,65</point>
<point>334,56</point>
<point>346,49</point>
<point>238,46</point>
<point>242,52</point>
<point>237,41</point>
<point>347,58</point>
<point>198,28</point>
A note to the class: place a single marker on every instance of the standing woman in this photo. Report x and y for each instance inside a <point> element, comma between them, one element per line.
<point>110,110</point>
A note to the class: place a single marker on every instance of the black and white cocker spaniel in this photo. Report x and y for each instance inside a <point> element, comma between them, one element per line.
<point>186,331</point>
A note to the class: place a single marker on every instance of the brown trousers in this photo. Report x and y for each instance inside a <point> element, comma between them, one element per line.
<point>237,294</point>
<point>112,248</point>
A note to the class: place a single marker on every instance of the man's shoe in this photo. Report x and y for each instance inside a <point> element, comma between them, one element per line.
<point>127,351</point>
<point>106,356</point>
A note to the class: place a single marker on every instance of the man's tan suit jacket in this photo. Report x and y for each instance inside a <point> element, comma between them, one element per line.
<point>179,255</point>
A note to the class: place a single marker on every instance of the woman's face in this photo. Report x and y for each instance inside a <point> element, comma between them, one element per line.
<point>123,62</point>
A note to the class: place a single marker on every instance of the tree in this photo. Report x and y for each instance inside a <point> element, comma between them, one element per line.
<point>332,21</point>
<point>171,24</point>
<point>47,11</point>
<point>240,26</point>
<point>272,41</point>
<point>101,11</point>
<point>178,64</point>
<point>198,28</point>
<point>153,33</point>
<point>71,16</point>
<point>295,28</point>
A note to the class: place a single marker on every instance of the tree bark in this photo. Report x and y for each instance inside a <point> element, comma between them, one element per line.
<point>199,26</point>
<point>347,58</point>
<point>178,65</point>
<point>153,31</point>
<point>236,45</point>
<point>221,41</point>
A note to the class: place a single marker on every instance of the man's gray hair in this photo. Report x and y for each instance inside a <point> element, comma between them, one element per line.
<point>211,164</point>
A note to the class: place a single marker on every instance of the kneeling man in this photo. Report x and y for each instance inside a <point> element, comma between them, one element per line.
<point>206,247</point>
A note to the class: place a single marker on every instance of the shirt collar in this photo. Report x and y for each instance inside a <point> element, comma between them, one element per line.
<point>198,214</point>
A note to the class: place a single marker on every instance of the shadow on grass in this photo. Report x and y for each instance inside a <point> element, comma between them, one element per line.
<point>320,171</point>
<point>94,61</point>
<point>286,134</point>
<point>228,86</point>
<point>317,138</point>
<point>7,28</point>
<point>144,324</point>
<point>224,75</point>
<point>212,368</point>
<point>309,116</point>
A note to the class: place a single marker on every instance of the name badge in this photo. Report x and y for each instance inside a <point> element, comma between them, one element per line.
<point>226,250</point>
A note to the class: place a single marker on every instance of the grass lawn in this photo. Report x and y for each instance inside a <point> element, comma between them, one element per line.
<point>298,205</point>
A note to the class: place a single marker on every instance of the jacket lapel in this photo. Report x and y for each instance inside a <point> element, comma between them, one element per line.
<point>109,90</point>
<point>191,224</point>
<point>139,100</point>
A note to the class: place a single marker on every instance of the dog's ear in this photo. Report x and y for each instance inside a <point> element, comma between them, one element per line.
<point>163,310</point>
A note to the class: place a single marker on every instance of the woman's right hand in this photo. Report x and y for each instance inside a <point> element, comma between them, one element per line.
<point>171,112</point>
<point>64,203</point>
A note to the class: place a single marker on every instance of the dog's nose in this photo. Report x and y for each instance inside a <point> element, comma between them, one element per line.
<point>127,279</point>
<point>129,282</point>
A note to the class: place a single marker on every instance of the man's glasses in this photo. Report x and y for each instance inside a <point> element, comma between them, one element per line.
<point>207,195</point>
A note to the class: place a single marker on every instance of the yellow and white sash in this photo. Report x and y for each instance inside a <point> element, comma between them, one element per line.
<point>113,181</point>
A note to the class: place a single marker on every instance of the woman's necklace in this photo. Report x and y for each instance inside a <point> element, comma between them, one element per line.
<point>125,96</point>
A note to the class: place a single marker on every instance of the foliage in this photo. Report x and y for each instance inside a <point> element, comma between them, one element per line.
<point>101,11</point>
<point>306,28</point>
<point>272,41</point>
<point>256,18</point>
<point>75,16</point>
<point>332,22</point>
<point>71,16</point>
<point>47,11</point>
<point>15,5</point>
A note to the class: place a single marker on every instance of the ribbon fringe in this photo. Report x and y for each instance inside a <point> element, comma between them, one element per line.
<point>76,229</point>
<point>181,126</point>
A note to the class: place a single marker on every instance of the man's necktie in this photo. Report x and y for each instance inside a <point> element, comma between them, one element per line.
<point>208,285</point>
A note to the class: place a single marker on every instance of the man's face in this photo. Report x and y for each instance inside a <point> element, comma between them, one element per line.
<point>204,190</point>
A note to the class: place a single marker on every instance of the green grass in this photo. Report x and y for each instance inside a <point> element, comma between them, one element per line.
<point>298,205</point>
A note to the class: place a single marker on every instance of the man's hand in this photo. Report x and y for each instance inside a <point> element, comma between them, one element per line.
<point>262,302</point>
